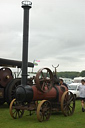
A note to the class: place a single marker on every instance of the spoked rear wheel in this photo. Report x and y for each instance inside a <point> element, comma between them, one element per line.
<point>14,111</point>
<point>68,103</point>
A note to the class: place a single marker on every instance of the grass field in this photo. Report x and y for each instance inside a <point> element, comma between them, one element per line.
<point>58,120</point>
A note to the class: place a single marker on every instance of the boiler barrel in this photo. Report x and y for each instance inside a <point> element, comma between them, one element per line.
<point>38,95</point>
<point>54,94</point>
<point>31,93</point>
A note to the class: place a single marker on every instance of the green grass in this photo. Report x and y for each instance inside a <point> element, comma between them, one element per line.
<point>58,120</point>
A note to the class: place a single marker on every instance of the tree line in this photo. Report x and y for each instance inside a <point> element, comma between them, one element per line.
<point>71,74</point>
<point>68,74</point>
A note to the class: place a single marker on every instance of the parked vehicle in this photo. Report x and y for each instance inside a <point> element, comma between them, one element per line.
<point>67,80</point>
<point>78,79</point>
<point>73,87</point>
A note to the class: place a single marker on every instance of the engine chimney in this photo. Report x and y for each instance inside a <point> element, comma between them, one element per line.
<point>26,5</point>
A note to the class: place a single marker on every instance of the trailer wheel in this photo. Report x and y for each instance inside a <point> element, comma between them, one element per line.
<point>68,103</point>
<point>43,110</point>
<point>10,92</point>
<point>14,111</point>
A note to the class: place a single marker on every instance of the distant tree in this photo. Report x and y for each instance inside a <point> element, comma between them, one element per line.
<point>82,73</point>
<point>68,74</point>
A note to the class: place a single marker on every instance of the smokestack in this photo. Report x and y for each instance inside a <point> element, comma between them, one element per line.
<point>26,5</point>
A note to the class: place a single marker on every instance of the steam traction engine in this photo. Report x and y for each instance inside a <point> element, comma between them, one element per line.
<point>43,97</point>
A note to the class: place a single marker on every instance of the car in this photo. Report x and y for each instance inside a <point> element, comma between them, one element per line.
<point>74,88</point>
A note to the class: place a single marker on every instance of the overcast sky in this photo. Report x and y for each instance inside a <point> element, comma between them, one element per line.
<point>56,33</point>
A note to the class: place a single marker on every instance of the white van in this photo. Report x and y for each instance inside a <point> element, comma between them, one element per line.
<point>78,79</point>
<point>73,87</point>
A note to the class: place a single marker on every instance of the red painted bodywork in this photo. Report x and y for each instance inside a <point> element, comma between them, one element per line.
<point>50,95</point>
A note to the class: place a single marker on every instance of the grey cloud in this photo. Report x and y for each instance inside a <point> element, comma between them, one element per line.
<point>56,32</point>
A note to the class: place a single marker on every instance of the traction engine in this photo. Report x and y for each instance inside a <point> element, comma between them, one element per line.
<point>8,81</point>
<point>44,97</point>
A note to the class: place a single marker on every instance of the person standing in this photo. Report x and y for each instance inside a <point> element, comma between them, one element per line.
<point>62,83</point>
<point>82,94</point>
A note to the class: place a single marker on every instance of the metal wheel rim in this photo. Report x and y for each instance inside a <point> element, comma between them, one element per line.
<point>68,103</point>
<point>43,114</point>
<point>10,91</point>
<point>15,113</point>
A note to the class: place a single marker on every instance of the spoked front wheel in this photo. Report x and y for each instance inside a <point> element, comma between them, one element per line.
<point>15,112</point>
<point>43,110</point>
